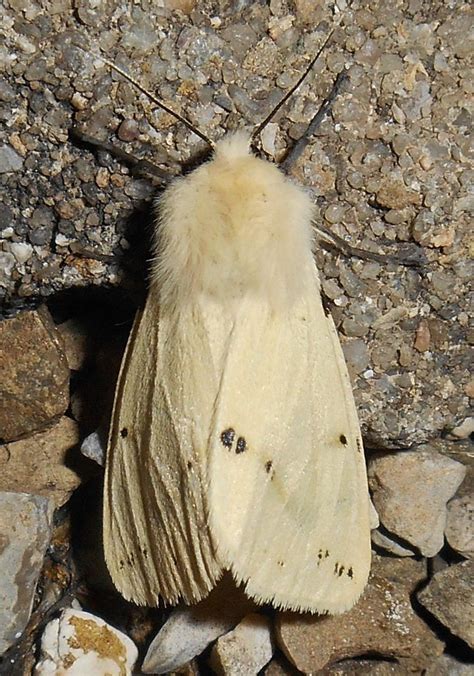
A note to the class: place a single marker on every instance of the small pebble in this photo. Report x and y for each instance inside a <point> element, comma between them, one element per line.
<point>244,650</point>
<point>79,643</point>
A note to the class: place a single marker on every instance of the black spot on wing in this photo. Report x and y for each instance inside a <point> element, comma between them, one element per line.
<point>227,437</point>
<point>124,432</point>
<point>350,573</point>
<point>343,439</point>
<point>241,445</point>
<point>359,445</point>
<point>268,467</point>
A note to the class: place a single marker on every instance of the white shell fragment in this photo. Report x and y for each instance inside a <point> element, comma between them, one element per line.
<point>78,643</point>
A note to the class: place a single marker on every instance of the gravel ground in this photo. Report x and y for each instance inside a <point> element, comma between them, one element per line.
<point>389,168</point>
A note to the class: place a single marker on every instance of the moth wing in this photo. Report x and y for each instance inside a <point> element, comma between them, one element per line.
<point>156,538</point>
<point>288,498</point>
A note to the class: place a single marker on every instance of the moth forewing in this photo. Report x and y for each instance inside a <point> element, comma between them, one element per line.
<point>235,442</point>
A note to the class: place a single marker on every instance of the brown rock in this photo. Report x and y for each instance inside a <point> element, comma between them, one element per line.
<point>35,374</point>
<point>450,598</point>
<point>364,668</point>
<point>422,337</point>
<point>75,338</point>
<point>382,622</point>
<point>393,194</point>
<point>39,464</point>
<point>279,666</point>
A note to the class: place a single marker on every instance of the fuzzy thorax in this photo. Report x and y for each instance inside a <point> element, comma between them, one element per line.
<point>235,226</point>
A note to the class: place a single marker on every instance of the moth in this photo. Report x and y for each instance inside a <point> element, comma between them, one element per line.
<point>234,443</point>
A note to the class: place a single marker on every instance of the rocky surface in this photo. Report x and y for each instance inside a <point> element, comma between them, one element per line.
<point>410,491</point>
<point>383,622</point>
<point>188,631</point>
<point>388,169</point>
<point>34,389</point>
<point>25,530</point>
<point>450,598</point>
<point>43,463</point>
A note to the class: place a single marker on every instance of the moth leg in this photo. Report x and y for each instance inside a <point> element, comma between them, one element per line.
<point>413,256</point>
<point>138,166</point>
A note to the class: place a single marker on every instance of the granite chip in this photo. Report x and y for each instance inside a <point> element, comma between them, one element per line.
<point>25,530</point>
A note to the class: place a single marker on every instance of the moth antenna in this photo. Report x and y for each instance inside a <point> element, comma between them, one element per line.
<point>305,138</point>
<point>157,101</point>
<point>291,91</point>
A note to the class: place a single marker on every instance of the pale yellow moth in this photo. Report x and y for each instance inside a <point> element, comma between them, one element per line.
<point>235,443</point>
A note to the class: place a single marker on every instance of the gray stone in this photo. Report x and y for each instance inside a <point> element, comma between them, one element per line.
<point>381,540</point>
<point>410,491</point>
<point>450,598</point>
<point>244,650</point>
<point>9,160</point>
<point>94,447</point>
<point>460,525</point>
<point>189,630</point>
<point>25,530</point>
<point>446,665</point>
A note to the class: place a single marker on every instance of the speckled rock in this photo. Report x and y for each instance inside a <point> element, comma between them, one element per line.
<point>410,491</point>
<point>80,643</point>
<point>189,630</point>
<point>25,530</point>
<point>382,622</point>
<point>244,650</point>
<point>34,389</point>
<point>460,525</point>
<point>41,464</point>
<point>450,598</point>
<point>446,665</point>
